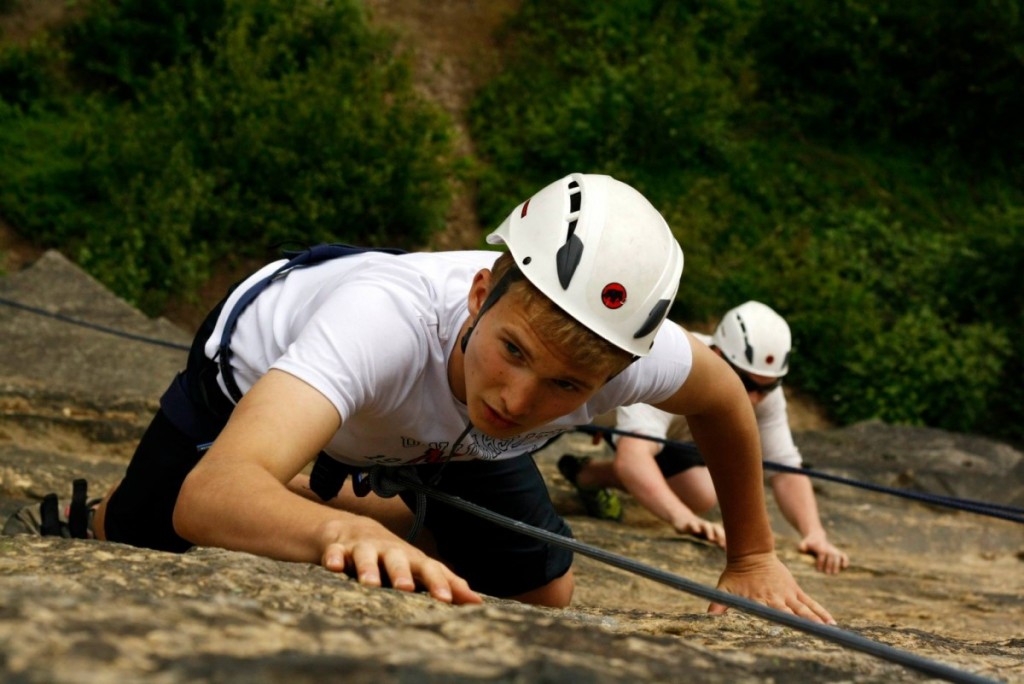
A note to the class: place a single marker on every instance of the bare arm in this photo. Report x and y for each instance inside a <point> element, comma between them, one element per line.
<point>795,496</point>
<point>237,498</point>
<point>639,473</point>
<point>722,422</point>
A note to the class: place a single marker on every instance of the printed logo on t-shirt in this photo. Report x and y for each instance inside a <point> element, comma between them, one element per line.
<point>476,445</point>
<point>431,455</point>
<point>491,449</point>
<point>433,452</point>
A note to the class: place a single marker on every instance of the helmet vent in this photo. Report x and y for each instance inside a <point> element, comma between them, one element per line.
<point>748,351</point>
<point>567,259</point>
<point>653,319</point>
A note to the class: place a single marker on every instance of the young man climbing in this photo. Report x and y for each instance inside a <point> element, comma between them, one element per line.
<point>672,481</point>
<point>462,365</point>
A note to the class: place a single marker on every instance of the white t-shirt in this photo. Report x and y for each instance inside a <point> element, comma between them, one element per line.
<point>777,444</point>
<point>373,332</point>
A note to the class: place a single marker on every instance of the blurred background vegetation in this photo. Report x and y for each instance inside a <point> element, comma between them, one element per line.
<point>859,166</point>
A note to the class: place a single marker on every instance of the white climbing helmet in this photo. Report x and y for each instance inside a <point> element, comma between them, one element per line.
<point>601,252</point>
<point>754,338</point>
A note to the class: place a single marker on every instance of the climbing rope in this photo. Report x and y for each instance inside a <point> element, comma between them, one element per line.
<point>1011,513</point>
<point>826,632</point>
<point>92,326</point>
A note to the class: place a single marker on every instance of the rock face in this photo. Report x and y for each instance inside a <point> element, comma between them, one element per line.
<point>943,584</point>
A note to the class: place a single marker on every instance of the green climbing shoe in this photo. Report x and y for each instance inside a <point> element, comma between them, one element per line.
<point>601,503</point>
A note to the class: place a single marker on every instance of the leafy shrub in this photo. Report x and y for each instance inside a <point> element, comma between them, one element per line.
<point>873,340</point>
<point>634,89</point>
<point>945,73</point>
<point>46,189</point>
<point>118,45</point>
<point>804,158</point>
<point>299,126</point>
<point>31,75</point>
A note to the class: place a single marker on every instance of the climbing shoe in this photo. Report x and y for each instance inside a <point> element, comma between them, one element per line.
<point>49,519</point>
<point>600,502</point>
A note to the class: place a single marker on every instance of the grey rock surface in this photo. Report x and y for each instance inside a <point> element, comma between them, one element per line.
<point>942,584</point>
<point>49,358</point>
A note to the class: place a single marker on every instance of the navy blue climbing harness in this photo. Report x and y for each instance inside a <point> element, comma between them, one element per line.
<point>309,257</point>
<point>195,402</point>
<point>328,475</point>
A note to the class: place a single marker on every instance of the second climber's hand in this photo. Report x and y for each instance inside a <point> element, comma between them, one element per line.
<point>762,577</point>
<point>367,549</point>
<point>702,529</point>
<point>828,558</point>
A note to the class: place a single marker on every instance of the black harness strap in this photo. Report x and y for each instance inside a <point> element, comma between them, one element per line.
<point>328,475</point>
<point>49,514</point>
<point>310,257</point>
<point>78,514</point>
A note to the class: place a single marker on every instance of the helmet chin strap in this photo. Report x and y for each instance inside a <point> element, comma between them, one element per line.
<point>499,289</point>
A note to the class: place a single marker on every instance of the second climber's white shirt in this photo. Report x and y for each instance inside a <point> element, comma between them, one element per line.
<point>777,445</point>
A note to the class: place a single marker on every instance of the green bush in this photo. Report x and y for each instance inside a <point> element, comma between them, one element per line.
<point>945,73</point>
<point>47,189</point>
<point>873,337</point>
<point>31,76</point>
<point>981,282</point>
<point>299,126</point>
<point>118,45</point>
<point>638,90</point>
<point>807,157</point>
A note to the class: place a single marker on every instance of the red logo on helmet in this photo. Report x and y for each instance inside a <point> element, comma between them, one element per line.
<point>613,295</point>
<point>769,359</point>
<point>526,207</point>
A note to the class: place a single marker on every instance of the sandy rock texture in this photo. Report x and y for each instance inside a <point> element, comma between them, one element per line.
<point>943,584</point>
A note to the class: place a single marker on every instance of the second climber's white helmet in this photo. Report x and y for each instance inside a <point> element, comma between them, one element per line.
<point>601,252</point>
<point>754,338</point>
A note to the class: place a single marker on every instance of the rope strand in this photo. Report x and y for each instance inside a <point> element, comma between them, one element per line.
<point>92,326</point>
<point>827,632</point>
<point>1010,513</point>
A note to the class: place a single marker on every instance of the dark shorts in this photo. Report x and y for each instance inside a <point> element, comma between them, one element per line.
<point>674,457</point>
<point>139,512</point>
<point>677,457</point>
<point>492,559</point>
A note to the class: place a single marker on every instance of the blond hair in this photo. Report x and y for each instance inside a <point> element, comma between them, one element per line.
<point>580,344</point>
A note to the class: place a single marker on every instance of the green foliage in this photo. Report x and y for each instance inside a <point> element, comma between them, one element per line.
<point>981,281</point>
<point>299,126</point>
<point>46,188</point>
<point>948,73</point>
<point>31,75</point>
<point>847,163</point>
<point>633,89</point>
<point>118,45</point>
<point>874,335</point>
